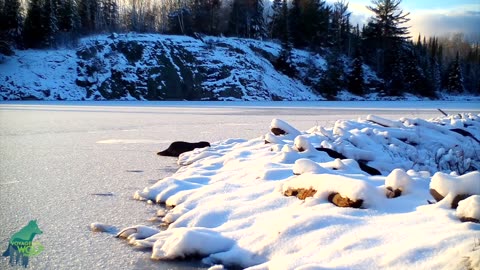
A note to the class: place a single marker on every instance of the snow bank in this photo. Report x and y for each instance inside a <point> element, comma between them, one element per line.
<point>230,208</point>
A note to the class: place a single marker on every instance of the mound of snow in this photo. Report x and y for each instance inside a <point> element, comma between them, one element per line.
<point>230,208</point>
<point>469,209</point>
<point>327,184</point>
<point>183,242</point>
<point>399,179</point>
<point>451,189</point>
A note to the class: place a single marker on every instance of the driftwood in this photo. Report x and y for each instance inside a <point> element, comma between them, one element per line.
<point>444,113</point>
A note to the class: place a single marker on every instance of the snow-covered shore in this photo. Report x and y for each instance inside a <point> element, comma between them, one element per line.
<point>231,206</point>
<point>55,156</point>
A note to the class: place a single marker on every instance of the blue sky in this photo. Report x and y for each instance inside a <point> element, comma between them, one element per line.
<point>431,17</point>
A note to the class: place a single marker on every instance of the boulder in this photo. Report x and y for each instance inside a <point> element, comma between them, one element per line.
<point>393,193</point>
<point>340,201</point>
<point>469,209</point>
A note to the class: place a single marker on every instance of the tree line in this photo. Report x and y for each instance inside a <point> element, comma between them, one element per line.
<point>421,67</point>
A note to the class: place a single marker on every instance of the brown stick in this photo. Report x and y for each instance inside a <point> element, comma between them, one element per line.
<point>444,113</point>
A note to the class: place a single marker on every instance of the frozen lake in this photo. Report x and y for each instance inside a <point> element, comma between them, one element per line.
<point>55,156</point>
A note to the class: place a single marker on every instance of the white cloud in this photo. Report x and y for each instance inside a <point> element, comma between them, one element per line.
<point>464,19</point>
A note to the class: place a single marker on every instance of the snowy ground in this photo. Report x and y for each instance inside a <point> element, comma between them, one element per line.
<point>56,156</point>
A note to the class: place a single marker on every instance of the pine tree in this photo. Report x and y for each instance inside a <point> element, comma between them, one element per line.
<point>258,27</point>
<point>284,61</point>
<point>356,80</point>
<point>180,21</point>
<point>68,23</point>
<point>49,23</point>
<point>205,16</point>
<point>339,31</point>
<point>309,23</point>
<point>277,19</point>
<point>67,16</point>
<point>455,78</point>
<point>246,19</point>
<point>11,21</point>
<point>88,11</point>
<point>110,15</point>
<point>333,79</point>
<point>384,35</point>
<point>34,31</point>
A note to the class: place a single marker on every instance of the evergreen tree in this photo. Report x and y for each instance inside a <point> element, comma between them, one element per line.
<point>415,79</point>
<point>384,35</point>
<point>49,23</point>
<point>339,31</point>
<point>309,23</point>
<point>356,80</point>
<point>34,31</point>
<point>455,78</point>
<point>205,16</point>
<point>277,20</point>
<point>88,11</point>
<point>110,15</point>
<point>258,26</point>
<point>284,61</point>
<point>67,16</point>
<point>180,22</point>
<point>68,22</point>
<point>246,19</point>
<point>333,79</point>
<point>11,21</point>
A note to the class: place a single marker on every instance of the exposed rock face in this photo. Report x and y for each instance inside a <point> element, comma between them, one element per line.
<point>158,67</point>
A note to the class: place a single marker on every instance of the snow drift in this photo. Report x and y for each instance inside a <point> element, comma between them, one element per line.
<point>229,205</point>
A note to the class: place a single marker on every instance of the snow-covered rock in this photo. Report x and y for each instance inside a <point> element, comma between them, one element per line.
<point>233,199</point>
<point>469,209</point>
<point>451,189</point>
<point>397,182</point>
<point>137,232</point>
